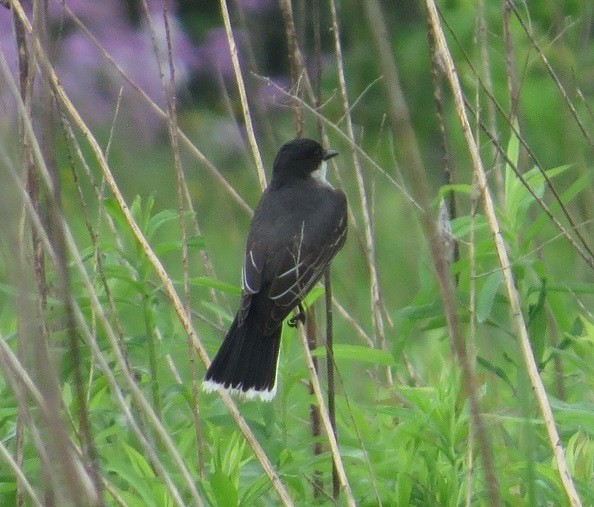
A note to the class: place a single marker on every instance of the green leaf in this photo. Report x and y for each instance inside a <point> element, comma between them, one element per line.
<point>158,220</point>
<point>460,188</point>
<point>196,242</point>
<point>537,323</point>
<point>206,281</point>
<point>420,312</point>
<point>574,415</point>
<point>313,295</point>
<point>136,482</point>
<point>495,370</point>
<point>256,490</point>
<point>224,490</point>
<point>176,245</point>
<point>357,353</point>
<point>140,464</point>
<point>403,488</point>
<point>217,310</point>
<point>461,226</point>
<point>113,210</point>
<point>136,208</point>
<point>512,183</point>
<point>487,295</point>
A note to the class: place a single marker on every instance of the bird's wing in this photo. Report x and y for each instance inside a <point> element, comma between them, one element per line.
<point>301,267</point>
<point>251,275</point>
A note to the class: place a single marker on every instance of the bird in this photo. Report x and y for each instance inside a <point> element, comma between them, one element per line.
<point>298,227</point>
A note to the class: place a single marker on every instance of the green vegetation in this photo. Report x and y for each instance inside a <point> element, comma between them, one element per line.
<point>103,338</point>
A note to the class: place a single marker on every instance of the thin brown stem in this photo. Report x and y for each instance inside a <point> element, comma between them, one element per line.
<point>513,296</point>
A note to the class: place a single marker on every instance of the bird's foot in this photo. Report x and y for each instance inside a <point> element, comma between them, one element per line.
<point>298,317</point>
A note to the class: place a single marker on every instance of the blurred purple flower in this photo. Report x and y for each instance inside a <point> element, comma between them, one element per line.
<point>272,94</point>
<point>91,82</point>
<point>7,47</point>
<point>214,55</point>
<point>256,5</point>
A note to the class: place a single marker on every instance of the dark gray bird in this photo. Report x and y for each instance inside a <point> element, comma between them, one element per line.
<point>298,227</point>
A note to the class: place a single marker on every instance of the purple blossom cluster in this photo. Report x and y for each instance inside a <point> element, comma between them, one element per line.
<point>91,81</point>
<point>94,84</point>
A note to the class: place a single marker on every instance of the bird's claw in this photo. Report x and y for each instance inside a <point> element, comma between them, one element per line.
<point>298,317</point>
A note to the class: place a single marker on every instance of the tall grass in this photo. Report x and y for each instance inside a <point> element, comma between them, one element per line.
<point>454,379</point>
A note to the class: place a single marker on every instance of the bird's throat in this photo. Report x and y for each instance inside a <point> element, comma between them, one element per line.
<point>320,174</point>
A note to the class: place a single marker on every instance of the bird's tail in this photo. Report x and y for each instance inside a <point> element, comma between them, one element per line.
<point>246,363</point>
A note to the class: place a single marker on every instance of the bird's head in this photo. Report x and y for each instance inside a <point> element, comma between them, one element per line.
<point>298,159</point>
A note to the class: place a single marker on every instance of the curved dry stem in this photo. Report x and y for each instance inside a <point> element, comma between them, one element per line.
<point>489,208</point>
<point>586,253</point>
<point>243,95</point>
<point>315,382</point>
<point>18,472</point>
<point>376,303</point>
<point>104,364</point>
<point>342,134</point>
<point>163,276</point>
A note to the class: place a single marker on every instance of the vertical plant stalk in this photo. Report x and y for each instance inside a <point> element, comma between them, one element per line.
<point>584,130</point>
<point>17,470</point>
<point>296,71</point>
<point>170,93</point>
<point>157,266</point>
<point>449,211</point>
<point>327,280</point>
<point>311,333</point>
<point>409,157</point>
<point>489,208</point>
<point>260,111</point>
<point>326,424</point>
<point>330,365</point>
<point>472,340</point>
<point>26,77</point>
<point>73,482</point>
<point>16,376</point>
<point>149,326</point>
<point>375,298</point>
<point>242,95</point>
<point>488,84</point>
<point>576,117</point>
<point>510,67</point>
<point>97,307</point>
<point>70,140</point>
<point>195,152</point>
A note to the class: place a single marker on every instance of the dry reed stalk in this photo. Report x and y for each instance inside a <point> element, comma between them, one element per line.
<point>514,300</point>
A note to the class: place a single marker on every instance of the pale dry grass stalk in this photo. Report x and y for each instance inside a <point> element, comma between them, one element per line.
<point>311,328</point>
<point>294,62</point>
<point>26,79</point>
<point>375,296</point>
<point>182,196</point>
<point>243,95</point>
<point>333,126</point>
<point>183,203</point>
<point>17,470</point>
<point>73,481</point>
<point>25,389</point>
<point>482,37</point>
<point>408,152</point>
<point>510,4</point>
<point>131,382</point>
<point>334,449</point>
<point>167,283</point>
<point>513,296</point>
<point>584,251</point>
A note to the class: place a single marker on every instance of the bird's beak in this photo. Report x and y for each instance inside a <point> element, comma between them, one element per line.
<point>329,154</point>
